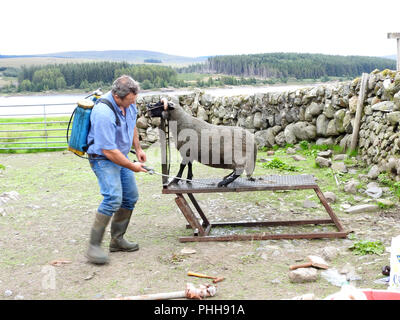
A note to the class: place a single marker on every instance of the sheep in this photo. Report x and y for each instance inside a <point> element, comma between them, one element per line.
<point>225,147</point>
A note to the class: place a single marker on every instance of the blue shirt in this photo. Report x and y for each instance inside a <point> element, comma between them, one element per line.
<point>104,131</point>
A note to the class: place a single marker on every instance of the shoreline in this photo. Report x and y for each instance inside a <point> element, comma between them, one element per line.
<point>170,90</point>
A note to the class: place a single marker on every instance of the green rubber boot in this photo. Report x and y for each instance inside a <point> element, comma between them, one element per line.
<point>119,225</point>
<point>95,253</point>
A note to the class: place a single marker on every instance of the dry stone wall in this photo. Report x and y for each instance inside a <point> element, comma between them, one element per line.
<point>323,114</point>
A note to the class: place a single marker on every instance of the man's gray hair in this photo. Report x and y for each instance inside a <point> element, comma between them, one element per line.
<point>124,85</point>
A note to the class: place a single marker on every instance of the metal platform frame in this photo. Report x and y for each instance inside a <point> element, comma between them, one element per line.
<point>201,226</point>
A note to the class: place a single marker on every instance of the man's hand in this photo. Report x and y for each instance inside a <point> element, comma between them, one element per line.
<point>138,167</point>
<point>118,158</point>
<point>165,102</point>
<point>141,155</point>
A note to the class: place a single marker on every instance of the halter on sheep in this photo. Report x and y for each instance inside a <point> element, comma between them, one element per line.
<point>223,147</point>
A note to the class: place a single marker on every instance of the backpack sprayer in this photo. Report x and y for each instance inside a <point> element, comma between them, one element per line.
<point>77,142</point>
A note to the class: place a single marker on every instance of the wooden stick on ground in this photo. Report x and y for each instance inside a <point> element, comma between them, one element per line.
<point>156,296</point>
<point>200,275</point>
<point>191,292</point>
<point>313,261</point>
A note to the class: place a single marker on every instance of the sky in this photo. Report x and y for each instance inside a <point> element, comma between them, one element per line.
<point>200,28</point>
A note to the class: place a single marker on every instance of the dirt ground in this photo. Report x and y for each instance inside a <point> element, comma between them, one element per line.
<point>58,196</point>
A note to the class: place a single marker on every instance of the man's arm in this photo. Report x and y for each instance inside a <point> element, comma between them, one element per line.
<point>117,157</point>
<point>136,144</point>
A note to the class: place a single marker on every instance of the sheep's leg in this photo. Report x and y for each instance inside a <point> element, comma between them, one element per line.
<point>226,177</point>
<point>190,171</point>
<point>232,177</point>
<point>229,180</point>
<point>179,175</point>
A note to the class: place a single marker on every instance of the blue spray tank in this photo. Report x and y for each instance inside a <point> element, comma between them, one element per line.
<point>77,141</point>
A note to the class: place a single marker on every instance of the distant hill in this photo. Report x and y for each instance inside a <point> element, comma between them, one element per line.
<point>131,56</point>
<point>135,56</point>
<point>17,56</point>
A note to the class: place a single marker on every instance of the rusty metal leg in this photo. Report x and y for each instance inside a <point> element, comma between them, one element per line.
<point>328,208</point>
<point>189,215</point>
<point>206,223</point>
<point>202,226</point>
<point>265,236</point>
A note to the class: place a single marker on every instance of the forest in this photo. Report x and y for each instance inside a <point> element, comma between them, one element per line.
<point>92,75</point>
<point>251,69</point>
<point>297,65</point>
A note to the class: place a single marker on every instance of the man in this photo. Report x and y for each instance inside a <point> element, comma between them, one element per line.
<point>110,140</point>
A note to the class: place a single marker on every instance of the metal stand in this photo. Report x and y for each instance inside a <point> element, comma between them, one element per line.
<point>201,226</point>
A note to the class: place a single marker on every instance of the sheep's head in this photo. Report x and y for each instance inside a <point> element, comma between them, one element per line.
<point>158,110</point>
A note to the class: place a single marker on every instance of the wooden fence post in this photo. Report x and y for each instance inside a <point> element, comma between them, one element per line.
<point>394,35</point>
<point>360,105</point>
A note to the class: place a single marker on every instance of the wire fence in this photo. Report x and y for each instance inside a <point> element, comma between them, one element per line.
<point>35,126</point>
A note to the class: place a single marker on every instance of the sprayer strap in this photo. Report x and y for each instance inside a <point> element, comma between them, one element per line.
<point>108,103</point>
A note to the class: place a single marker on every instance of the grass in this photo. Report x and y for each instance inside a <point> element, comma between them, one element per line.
<point>368,247</point>
<point>159,266</point>
<point>277,163</point>
<point>386,180</point>
<point>193,77</point>
<point>310,149</point>
<point>7,80</point>
<point>11,134</point>
<point>384,205</point>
